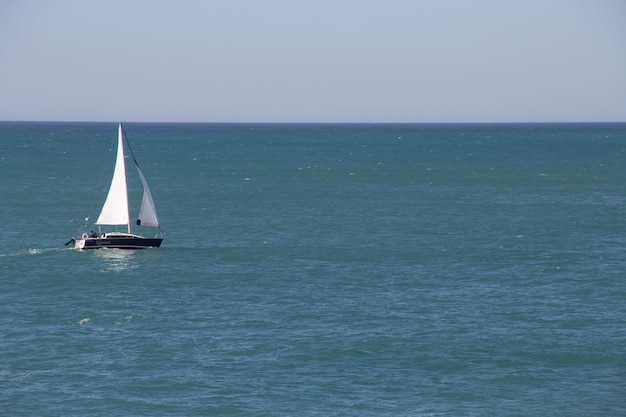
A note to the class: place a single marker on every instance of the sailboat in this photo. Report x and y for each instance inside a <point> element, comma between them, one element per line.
<point>115,211</point>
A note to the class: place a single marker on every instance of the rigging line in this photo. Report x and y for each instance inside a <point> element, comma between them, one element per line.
<point>129,147</point>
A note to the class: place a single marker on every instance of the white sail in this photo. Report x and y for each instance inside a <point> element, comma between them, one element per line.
<point>147,211</point>
<point>115,209</point>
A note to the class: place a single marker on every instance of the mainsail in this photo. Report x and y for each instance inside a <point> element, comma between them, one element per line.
<point>115,209</point>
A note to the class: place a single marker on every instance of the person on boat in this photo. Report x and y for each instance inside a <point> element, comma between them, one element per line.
<point>92,234</point>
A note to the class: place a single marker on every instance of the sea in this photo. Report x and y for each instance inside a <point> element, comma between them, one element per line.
<point>318,270</point>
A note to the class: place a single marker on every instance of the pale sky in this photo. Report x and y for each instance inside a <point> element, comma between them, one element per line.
<point>313,60</point>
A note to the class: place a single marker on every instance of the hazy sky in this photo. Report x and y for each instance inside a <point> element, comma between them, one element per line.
<point>313,60</point>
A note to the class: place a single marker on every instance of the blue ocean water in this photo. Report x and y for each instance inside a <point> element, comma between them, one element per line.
<point>358,270</point>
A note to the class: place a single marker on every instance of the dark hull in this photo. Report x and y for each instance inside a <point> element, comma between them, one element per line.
<point>120,243</point>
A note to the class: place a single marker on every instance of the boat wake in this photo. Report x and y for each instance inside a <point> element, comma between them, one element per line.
<point>31,251</point>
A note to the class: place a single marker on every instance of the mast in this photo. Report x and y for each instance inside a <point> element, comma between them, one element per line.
<point>120,140</point>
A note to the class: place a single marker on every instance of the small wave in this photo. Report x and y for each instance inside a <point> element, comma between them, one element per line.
<point>34,251</point>
<point>84,321</point>
<point>129,318</point>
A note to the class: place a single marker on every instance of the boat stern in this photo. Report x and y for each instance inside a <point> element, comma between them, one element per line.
<point>79,243</point>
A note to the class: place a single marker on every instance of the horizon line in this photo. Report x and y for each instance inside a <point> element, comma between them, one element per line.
<point>312,123</point>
